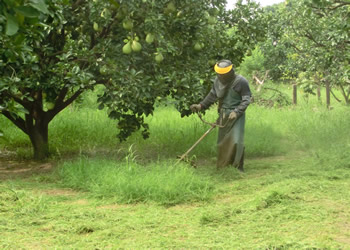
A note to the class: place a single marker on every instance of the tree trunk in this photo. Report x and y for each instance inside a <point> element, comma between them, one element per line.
<point>328,95</point>
<point>345,95</point>
<point>319,93</point>
<point>295,94</point>
<point>39,138</point>
<point>38,131</point>
<point>36,121</point>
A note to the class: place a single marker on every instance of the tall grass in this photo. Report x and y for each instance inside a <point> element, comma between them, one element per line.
<point>86,128</point>
<point>269,131</point>
<point>128,182</point>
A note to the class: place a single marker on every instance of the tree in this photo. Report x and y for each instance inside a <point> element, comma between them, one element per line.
<point>275,48</point>
<point>319,36</point>
<point>253,65</point>
<point>53,51</point>
<point>39,73</point>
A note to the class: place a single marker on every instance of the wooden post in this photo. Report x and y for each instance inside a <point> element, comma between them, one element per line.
<point>328,94</point>
<point>295,94</point>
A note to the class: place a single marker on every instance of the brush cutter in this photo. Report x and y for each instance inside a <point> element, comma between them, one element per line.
<point>213,125</point>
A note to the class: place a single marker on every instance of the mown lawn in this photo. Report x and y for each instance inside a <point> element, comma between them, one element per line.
<point>284,202</point>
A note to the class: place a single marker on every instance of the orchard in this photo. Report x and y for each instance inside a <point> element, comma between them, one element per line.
<point>101,148</point>
<point>53,51</point>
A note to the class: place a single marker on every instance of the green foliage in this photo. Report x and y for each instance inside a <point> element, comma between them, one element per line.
<point>61,49</point>
<point>305,82</point>
<point>129,182</point>
<point>314,40</point>
<point>275,48</point>
<point>187,46</point>
<point>253,64</point>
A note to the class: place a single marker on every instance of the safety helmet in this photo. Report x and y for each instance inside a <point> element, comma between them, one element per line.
<point>223,67</point>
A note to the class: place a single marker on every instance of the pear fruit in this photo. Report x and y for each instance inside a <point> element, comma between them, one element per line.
<point>197,46</point>
<point>127,24</point>
<point>149,38</point>
<point>50,105</point>
<point>170,8</point>
<point>159,58</point>
<point>211,20</point>
<point>212,62</point>
<point>95,26</point>
<point>127,48</point>
<point>136,46</point>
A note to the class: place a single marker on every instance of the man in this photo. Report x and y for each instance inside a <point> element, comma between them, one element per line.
<point>233,93</point>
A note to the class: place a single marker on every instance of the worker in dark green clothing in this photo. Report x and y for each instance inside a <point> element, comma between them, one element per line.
<point>233,93</point>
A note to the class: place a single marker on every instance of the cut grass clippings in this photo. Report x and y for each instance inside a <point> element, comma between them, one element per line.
<point>289,202</point>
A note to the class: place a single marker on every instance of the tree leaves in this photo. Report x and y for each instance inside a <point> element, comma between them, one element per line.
<point>40,5</point>
<point>11,25</point>
<point>59,57</point>
<point>27,11</point>
<point>15,15</point>
<point>314,40</point>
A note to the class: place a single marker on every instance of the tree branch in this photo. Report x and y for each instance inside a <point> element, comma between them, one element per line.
<point>335,96</point>
<point>76,4</point>
<point>346,96</point>
<point>104,33</point>
<point>296,48</point>
<point>92,41</point>
<point>25,104</point>
<point>62,105</point>
<point>73,97</point>
<point>341,4</point>
<point>18,121</point>
<point>62,95</point>
<point>310,37</point>
<point>107,30</point>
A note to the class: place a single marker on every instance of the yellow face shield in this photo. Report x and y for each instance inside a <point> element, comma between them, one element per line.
<point>222,71</point>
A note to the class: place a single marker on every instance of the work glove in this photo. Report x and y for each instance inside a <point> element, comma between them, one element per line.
<point>232,115</point>
<point>196,107</point>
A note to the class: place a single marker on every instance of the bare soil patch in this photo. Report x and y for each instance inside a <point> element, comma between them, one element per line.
<point>12,169</point>
<point>59,192</point>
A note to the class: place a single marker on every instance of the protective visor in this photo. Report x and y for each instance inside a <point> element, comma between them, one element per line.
<point>222,70</point>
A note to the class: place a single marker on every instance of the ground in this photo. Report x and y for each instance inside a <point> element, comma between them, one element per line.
<point>274,205</point>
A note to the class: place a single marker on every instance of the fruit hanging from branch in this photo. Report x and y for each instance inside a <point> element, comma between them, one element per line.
<point>127,48</point>
<point>149,38</point>
<point>136,46</point>
<point>159,57</point>
<point>128,24</point>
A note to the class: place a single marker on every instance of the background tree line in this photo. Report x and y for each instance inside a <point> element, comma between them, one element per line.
<point>307,43</point>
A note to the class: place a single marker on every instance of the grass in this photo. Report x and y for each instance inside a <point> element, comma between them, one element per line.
<point>129,182</point>
<point>105,194</point>
<point>280,203</point>
<point>269,132</point>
